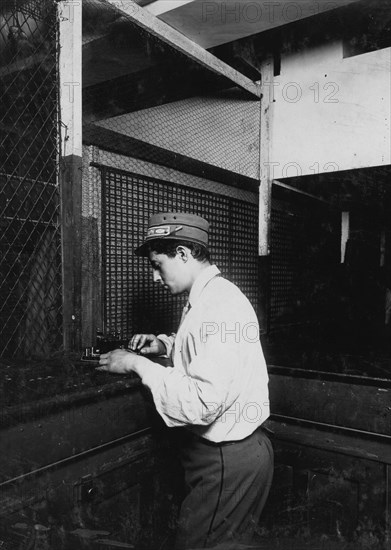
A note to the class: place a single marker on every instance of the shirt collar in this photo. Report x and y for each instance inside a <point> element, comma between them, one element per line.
<point>201,281</point>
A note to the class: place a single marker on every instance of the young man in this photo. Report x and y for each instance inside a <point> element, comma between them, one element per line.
<point>216,389</point>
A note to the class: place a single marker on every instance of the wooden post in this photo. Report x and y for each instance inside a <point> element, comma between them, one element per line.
<point>265,186</point>
<point>70,13</point>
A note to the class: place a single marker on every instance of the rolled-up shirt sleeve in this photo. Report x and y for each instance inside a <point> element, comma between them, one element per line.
<point>168,341</point>
<point>203,393</point>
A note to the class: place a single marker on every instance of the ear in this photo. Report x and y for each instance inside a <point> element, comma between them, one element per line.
<point>183,252</point>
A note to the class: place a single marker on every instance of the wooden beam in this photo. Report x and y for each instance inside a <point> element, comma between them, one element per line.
<point>265,184</point>
<point>266,174</point>
<point>160,30</point>
<point>70,74</point>
<point>69,15</point>
<point>299,191</point>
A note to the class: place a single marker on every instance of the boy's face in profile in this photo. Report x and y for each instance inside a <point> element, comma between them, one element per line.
<point>171,272</point>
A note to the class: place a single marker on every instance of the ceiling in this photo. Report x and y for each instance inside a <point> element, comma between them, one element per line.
<point>217,22</point>
<point>127,67</point>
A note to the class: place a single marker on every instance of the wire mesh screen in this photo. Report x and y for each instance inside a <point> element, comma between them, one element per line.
<point>305,248</point>
<point>132,302</point>
<point>285,290</point>
<point>30,243</point>
<point>220,128</point>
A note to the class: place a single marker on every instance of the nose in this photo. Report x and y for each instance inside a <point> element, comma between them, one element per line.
<point>156,276</point>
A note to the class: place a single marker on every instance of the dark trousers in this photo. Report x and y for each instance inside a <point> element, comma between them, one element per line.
<point>227,487</point>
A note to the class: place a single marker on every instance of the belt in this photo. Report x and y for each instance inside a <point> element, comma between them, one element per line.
<point>223,443</point>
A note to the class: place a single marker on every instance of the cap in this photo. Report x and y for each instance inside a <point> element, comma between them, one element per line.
<point>175,225</point>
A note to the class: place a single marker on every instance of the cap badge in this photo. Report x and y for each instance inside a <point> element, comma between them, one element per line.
<point>162,231</point>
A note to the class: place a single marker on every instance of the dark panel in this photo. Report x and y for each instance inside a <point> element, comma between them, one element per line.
<point>123,496</point>
<point>327,491</point>
<point>76,430</point>
<point>338,403</point>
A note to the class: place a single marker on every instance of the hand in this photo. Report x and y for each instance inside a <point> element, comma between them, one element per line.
<point>147,344</point>
<point>120,361</point>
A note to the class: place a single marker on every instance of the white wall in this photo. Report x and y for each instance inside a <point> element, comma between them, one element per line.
<point>331,113</point>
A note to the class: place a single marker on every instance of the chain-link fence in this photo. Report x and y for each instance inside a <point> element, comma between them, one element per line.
<point>30,241</point>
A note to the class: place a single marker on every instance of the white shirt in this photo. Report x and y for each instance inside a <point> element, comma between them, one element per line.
<point>218,385</point>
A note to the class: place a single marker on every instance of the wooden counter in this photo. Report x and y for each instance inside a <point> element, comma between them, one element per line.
<point>87,463</point>
<point>332,439</point>
<point>84,462</point>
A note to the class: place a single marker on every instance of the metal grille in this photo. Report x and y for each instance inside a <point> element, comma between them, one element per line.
<point>132,302</point>
<point>30,243</point>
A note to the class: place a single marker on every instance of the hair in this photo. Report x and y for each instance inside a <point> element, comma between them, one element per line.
<point>169,248</point>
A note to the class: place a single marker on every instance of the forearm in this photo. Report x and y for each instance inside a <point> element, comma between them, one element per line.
<point>124,362</point>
